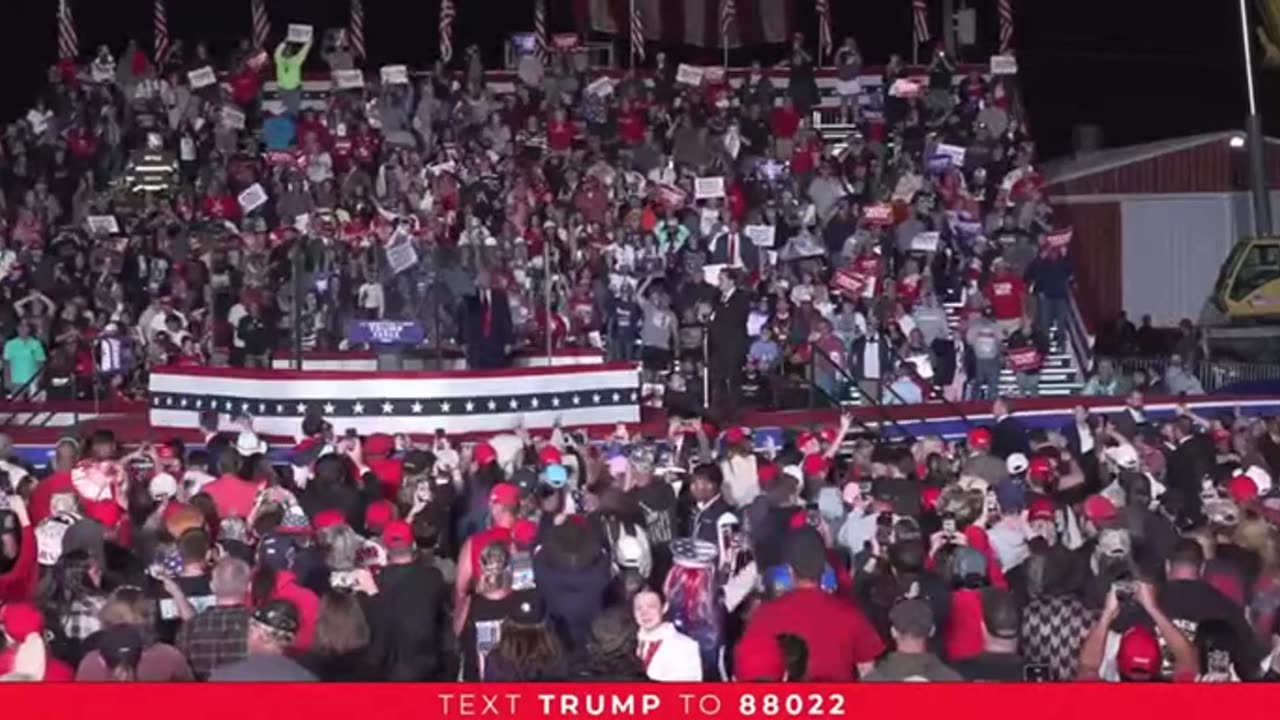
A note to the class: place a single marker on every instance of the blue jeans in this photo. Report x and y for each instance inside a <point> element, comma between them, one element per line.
<point>986,381</point>
<point>1050,312</point>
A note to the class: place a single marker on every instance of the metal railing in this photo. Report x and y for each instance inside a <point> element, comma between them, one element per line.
<point>1213,375</point>
<point>849,384</point>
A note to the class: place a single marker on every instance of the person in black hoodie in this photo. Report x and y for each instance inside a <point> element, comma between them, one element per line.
<point>407,614</point>
<point>336,487</point>
<point>572,570</point>
<point>611,650</point>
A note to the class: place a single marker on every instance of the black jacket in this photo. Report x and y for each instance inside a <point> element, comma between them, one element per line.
<point>728,331</point>
<point>487,350</point>
<point>406,621</point>
<point>1009,436</point>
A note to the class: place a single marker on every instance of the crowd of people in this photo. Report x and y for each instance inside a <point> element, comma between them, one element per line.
<point>1117,548</point>
<point>151,219</point>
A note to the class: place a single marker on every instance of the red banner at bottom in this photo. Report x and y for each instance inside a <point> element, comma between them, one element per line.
<point>959,701</point>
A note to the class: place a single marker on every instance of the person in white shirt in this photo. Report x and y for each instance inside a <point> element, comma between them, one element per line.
<point>371,299</point>
<point>668,655</point>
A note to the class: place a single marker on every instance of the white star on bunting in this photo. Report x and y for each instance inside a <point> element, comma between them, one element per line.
<point>301,408</point>
<point>444,407</point>
<point>514,404</point>
<point>470,406</point>
<point>358,408</point>
<point>388,408</point>
<point>492,406</point>
<point>328,408</point>
<point>416,407</point>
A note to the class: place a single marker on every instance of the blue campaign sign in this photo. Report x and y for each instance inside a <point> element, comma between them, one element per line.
<point>386,332</point>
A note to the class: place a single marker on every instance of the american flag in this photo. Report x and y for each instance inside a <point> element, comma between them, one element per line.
<point>824,27</point>
<point>446,30</point>
<point>728,16</point>
<point>459,401</point>
<point>540,29</point>
<point>68,42</point>
<point>261,23</point>
<point>356,30</point>
<point>161,29</point>
<point>637,32</point>
<point>1005,9</point>
<point>920,10</point>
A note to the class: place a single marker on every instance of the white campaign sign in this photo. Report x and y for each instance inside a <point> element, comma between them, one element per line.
<point>761,235</point>
<point>1004,65</point>
<point>348,79</point>
<point>601,87</point>
<point>401,256</point>
<point>300,33</point>
<point>395,75</point>
<point>688,74</point>
<point>955,153</point>
<point>925,242</point>
<point>711,273</point>
<point>232,117</point>
<point>202,77</point>
<point>252,198</point>
<point>103,224</point>
<point>706,188</point>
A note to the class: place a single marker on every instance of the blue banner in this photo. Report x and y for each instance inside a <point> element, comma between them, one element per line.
<point>386,332</point>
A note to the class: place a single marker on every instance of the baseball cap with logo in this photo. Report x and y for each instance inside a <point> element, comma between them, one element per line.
<point>397,535</point>
<point>1138,657</point>
<point>504,494</point>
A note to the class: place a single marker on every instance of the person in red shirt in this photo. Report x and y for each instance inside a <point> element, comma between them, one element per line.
<point>631,124</point>
<point>560,132</point>
<point>841,641</point>
<point>504,498</point>
<point>1007,294</point>
<point>784,120</point>
<point>233,495</point>
<point>275,580</point>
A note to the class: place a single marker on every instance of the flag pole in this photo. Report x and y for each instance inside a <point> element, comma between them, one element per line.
<point>631,25</point>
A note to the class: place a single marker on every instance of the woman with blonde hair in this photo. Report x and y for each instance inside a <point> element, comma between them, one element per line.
<point>340,652</point>
<point>158,662</point>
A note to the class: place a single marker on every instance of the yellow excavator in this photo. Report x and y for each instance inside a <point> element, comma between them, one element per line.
<point>1241,320</point>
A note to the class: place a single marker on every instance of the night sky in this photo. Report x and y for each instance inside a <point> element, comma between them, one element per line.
<point>1141,69</point>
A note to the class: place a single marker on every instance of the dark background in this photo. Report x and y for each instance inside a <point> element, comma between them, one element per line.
<point>1142,70</point>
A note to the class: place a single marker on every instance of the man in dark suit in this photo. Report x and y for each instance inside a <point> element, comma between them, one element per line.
<point>1009,435</point>
<point>735,249</point>
<point>1191,459</point>
<point>1133,418</point>
<point>486,328</point>
<point>727,344</point>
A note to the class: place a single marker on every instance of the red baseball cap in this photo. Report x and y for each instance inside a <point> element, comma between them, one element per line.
<point>828,435</point>
<point>550,455</point>
<point>327,519</point>
<point>505,494</point>
<point>1242,489</point>
<point>929,497</point>
<point>379,444</point>
<point>758,658</point>
<point>21,620</point>
<point>378,514</point>
<point>735,435</point>
<point>1040,469</point>
<point>1040,508</point>
<point>1138,657</point>
<point>799,519</point>
<point>804,439</point>
<point>1099,509</point>
<point>397,535</point>
<point>979,438</point>
<point>165,452</point>
<point>484,454</point>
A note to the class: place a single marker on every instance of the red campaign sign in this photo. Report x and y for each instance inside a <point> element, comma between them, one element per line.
<point>606,701</point>
<point>281,157</point>
<point>671,196</point>
<point>1024,359</point>
<point>1060,239</point>
<point>564,41</point>
<point>878,214</point>
<point>850,282</point>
